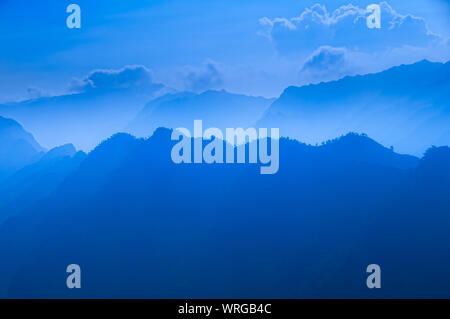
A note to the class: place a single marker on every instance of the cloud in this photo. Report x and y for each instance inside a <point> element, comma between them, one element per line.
<point>327,63</point>
<point>129,77</point>
<point>326,58</point>
<point>203,78</point>
<point>346,27</point>
<point>333,44</point>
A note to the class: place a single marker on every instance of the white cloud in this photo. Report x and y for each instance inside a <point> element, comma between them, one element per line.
<point>327,63</point>
<point>346,27</point>
<point>203,78</point>
<point>129,77</point>
<point>328,45</point>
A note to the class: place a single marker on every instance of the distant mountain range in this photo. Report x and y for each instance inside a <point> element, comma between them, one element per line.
<point>17,147</point>
<point>215,108</point>
<point>141,226</point>
<point>83,119</point>
<point>36,181</point>
<point>28,172</point>
<point>405,106</point>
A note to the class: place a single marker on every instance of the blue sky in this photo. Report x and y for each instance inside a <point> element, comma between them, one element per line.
<point>196,45</point>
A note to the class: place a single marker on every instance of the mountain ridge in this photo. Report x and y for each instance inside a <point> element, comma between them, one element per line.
<point>136,214</point>
<point>18,147</point>
<point>405,106</point>
<point>215,108</point>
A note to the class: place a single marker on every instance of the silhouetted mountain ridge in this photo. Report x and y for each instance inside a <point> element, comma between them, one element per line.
<point>37,180</point>
<point>215,108</point>
<point>405,106</point>
<point>17,147</point>
<point>168,228</point>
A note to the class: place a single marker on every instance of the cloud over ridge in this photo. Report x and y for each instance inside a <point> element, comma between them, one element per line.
<point>206,77</point>
<point>346,26</point>
<point>327,63</point>
<point>128,77</point>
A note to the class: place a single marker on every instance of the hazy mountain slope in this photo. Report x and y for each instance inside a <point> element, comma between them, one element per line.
<point>83,119</point>
<point>405,106</point>
<point>168,230</point>
<point>94,172</point>
<point>215,108</point>
<point>17,147</point>
<point>36,181</point>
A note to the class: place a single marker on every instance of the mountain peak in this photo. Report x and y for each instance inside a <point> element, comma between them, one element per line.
<point>404,106</point>
<point>18,148</point>
<point>61,151</point>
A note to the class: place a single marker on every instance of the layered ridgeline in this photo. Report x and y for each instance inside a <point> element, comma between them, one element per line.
<point>406,106</point>
<point>141,226</point>
<point>219,109</point>
<point>83,119</point>
<point>17,147</point>
<point>37,180</point>
<point>27,172</point>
